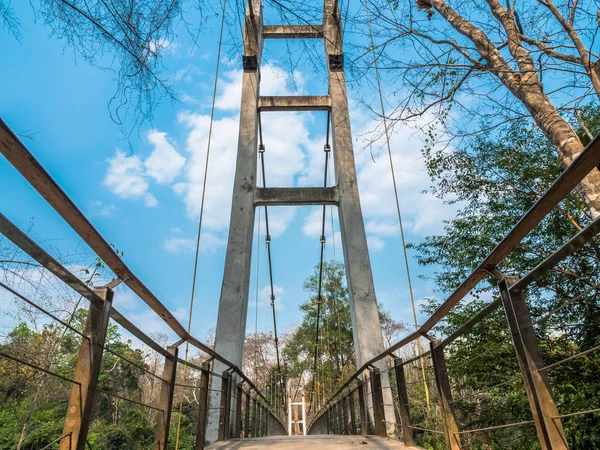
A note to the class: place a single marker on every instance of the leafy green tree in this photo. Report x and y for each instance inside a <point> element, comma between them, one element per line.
<point>494,182</point>
<point>335,353</point>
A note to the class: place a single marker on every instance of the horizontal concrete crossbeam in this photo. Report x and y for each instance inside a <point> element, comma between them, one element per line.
<point>295,103</point>
<point>292,31</point>
<point>296,196</point>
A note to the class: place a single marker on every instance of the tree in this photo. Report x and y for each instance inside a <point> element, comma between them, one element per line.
<point>472,67</point>
<point>496,181</point>
<point>335,350</point>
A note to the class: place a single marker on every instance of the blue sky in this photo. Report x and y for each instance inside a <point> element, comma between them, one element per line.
<point>145,198</point>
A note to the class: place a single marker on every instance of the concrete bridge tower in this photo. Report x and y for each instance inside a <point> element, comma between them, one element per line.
<point>233,307</point>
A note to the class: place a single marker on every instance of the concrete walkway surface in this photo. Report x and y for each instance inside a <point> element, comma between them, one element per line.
<point>313,442</point>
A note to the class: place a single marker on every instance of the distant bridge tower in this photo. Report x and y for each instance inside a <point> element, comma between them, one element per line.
<point>233,307</point>
<point>296,407</point>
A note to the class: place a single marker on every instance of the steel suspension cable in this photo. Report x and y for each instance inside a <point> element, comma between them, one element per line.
<point>327,150</point>
<point>393,173</point>
<point>261,152</point>
<point>256,296</point>
<point>206,165</point>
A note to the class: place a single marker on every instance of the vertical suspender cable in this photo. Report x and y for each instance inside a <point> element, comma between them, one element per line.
<point>212,115</point>
<point>261,152</point>
<point>389,149</point>
<point>327,150</point>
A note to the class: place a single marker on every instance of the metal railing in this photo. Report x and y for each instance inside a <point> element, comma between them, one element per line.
<point>442,404</point>
<point>244,410</point>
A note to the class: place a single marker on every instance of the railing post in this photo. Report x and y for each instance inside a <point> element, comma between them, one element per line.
<point>247,415</point>
<point>352,413</point>
<point>377,397</point>
<point>362,406</point>
<point>328,420</point>
<point>254,416</point>
<point>237,428</point>
<point>269,418</point>
<point>345,414</point>
<point>203,407</point>
<point>340,426</point>
<point>225,406</point>
<point>445,395</point>
<point>81,401</point>
<point>403,402</point>
<point>166,398</point>
<point>259,420</point>
<point>539,393</point>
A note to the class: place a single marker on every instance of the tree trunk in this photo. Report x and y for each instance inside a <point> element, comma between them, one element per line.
<point>526,86</point>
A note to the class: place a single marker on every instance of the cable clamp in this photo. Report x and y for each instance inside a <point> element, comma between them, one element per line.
<point>273,297</point>
<point>268,238</point>
<point>322,239</point>
<point>261,148</point>
<point>327,148</point>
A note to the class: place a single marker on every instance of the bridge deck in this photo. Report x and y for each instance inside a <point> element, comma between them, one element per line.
<point>317,442</point>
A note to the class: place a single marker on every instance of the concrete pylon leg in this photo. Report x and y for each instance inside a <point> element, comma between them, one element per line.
<point>368,339</point>
<point>233,306</point>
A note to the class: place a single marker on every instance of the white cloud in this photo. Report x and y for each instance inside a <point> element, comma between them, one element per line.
<point>383,227</point>
<point>209,243</point>
<point>101,209</point>
<point>150,201</point>
<point>422,213</point>
<point>125,178</point>
<point>178,245</point>
<point>128,176</point>
<point>288,149</point>
<point>375,243</point>
<point>274,81</point>
<point>264,297</point>
<point>164,163</point>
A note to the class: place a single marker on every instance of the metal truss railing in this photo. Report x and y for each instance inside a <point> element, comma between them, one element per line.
<point>450,416</point>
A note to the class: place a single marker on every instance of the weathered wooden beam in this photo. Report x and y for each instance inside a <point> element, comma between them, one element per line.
<point>445,395</point>
<point>403,403</point>
<point>202,407</point>
<point>167,391</point>
<point>87,370</point>
<point>539,393</point>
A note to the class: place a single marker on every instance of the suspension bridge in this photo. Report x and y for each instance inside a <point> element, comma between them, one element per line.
<point>403,396</point>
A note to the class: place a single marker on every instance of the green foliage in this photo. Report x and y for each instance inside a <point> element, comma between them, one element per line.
<point>336,356</point>
<point>116,424</point>
<point>494,182</point>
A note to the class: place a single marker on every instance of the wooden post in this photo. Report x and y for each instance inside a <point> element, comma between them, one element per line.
<point>225,406</point>
<point>539,392</point>
<point>237,428</point>
<point>345,414</point>
<point>81,401</point>
<point>166,398</point>
<point>340,425</point>
<point>352,414</point>
<point>254,414</point>
<point>376,394</point>
<point>445,395</point>
<point>362,408</point>
<point>403,402</point>
<point>203,407</point>
<point>247,415</point>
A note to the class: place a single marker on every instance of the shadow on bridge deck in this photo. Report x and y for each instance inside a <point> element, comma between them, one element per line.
<point>313,442</point>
